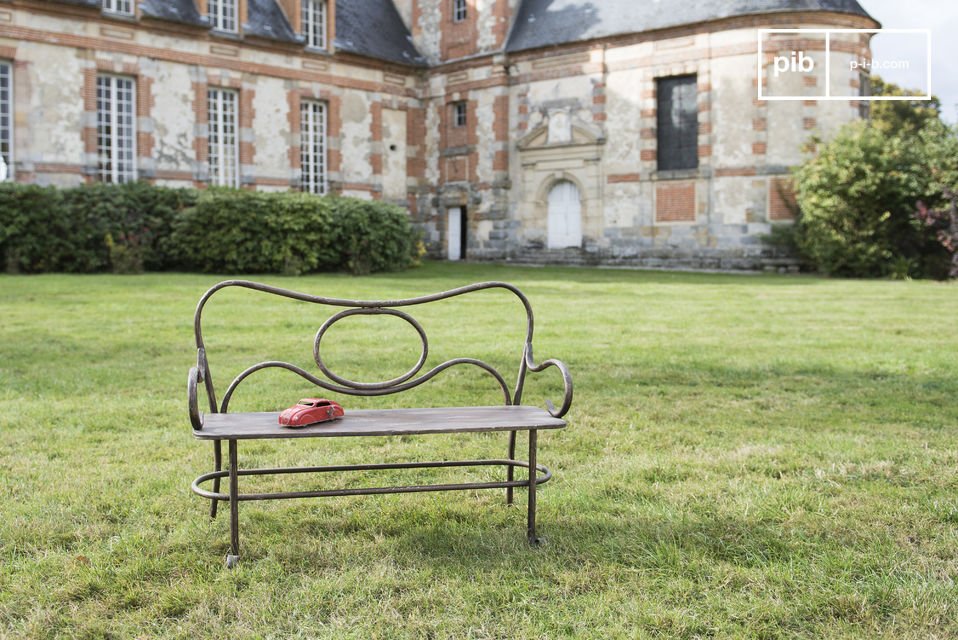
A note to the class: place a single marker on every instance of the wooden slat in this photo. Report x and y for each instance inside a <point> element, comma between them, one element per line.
<point>389,422</point>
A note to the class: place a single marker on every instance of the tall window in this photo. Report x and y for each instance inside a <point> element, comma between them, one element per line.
<point>678,123</point>
<point>312,146</point>
<point>223,141</point>
<point>458,10</point>
<point>314,23</point>
<point>459,113</point>
<point>115,128</point>
<point>122,7</point>
<point>6,120</point>
<point>223,15</point>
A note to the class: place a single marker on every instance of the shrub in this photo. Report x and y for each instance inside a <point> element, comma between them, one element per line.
<point>32,230</point>
<point>857,199</point>
<point>373,236</point>
<point>88,228</point>
<point>134,227</point>
<point>249,232</point>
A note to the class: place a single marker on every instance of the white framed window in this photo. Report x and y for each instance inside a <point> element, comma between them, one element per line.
<point>121,7</point>
<point>222,15</point>
<point>314,23</point>
<point>116,128</point>
<point>312,146</point>
<point>459,10</point>
<point>6,121</point>
<point>223,138</point>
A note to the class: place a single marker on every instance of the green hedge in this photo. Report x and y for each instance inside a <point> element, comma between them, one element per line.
<point>132,227</point>
<point>90,228</point>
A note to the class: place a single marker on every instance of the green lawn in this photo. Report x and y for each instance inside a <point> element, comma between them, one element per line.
<point>746,456</point>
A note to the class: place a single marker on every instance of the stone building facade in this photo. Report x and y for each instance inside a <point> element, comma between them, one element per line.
<point>532,130</point>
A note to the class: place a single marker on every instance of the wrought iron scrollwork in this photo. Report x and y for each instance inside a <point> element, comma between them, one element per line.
<point>338,384</point>
<point>566,381</point>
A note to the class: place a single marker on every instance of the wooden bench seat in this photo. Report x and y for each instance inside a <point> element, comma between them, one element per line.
<point>381,422</point>
<point>219,426</point>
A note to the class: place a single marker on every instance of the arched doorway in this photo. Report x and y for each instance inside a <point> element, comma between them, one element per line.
<point>565,216</point>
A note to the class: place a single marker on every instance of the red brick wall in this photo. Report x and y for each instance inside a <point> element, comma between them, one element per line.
<point>675,202</point>
<point>458,38</point>
<point>781,199</point>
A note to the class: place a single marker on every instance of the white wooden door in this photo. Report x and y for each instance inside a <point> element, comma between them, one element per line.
<point>454,233</point>
<point>565,216</point>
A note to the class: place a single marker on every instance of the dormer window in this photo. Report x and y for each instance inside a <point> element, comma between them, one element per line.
<point>119,7</point>
<point>314,23</point>
<point>458,10</point>
<point>222,15</point>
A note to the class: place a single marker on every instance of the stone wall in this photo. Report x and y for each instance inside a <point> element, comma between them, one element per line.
<point>587,115</point>
<point>57,57</point>
<point>581,114</point>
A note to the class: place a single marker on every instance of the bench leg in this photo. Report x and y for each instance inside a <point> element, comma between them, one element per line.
<point>232,558</point>
<point>531,519</point>
<point>217,465</point>
<point>510,474</point>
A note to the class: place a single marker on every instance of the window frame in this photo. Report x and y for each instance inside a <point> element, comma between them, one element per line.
<point>314,23</point>
<point>111,168</point>
<point>224,15</point>
<point>676,160</point>
<point>114,7</point>
<point>314,146</point>
<point>460,10</point>
<point>460,114</point>
<point>217,134</point>
<point>7,111</point>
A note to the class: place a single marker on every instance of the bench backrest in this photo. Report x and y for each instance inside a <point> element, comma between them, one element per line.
<point>412,378</point>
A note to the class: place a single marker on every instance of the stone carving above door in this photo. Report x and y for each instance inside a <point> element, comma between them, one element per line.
<point>561,129</point>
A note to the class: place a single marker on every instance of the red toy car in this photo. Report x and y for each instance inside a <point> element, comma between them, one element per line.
<point>310,411</point>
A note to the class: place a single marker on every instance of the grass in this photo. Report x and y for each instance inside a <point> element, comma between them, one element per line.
<point>747,457</point>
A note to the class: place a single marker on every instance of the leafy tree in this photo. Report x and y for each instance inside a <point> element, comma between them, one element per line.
<point>901,117</point>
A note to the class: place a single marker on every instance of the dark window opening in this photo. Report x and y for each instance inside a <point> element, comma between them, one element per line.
<point>459,113</point>
<point>458,10</point>
<point>677,120</point>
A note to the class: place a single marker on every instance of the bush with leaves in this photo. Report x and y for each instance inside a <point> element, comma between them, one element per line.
<point>89,228</point>
<point>857,199</point>
<point>33,229</point>
<point>231,231</point>
<point>134,227</point>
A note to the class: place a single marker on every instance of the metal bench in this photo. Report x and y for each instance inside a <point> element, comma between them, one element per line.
<point>220,425</point>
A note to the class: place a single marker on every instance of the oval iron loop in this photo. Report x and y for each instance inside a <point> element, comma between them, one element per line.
<point>341,302</point>
<point>373,311</point>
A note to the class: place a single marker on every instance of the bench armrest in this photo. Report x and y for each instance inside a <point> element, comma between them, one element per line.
<point>566,381</point>
<point>195,377</point>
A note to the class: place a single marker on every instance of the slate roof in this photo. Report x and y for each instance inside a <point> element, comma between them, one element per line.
<point>374,28</point>
<point>370,28</point>
<point>544,23</point>
<point>183,11</point>
<point>83,3</point>
<point>266,20</point>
